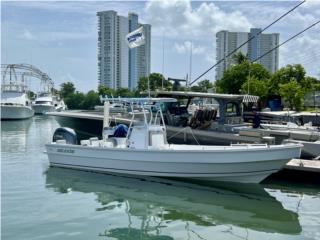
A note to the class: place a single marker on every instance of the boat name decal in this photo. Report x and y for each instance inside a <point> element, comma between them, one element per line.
<point>63,150</point>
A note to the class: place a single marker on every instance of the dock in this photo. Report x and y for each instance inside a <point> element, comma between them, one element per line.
<point>298,171</point>
<point>303,165</point>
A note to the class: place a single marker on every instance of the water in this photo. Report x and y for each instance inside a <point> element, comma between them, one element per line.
<point>39,202</point>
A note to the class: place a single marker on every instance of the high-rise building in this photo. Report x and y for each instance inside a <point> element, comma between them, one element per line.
<point>259,45</point>
<point>119,66</point>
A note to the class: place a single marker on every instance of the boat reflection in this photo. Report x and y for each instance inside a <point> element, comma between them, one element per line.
<point>14,136</point>
<point>168,201</point>
<point>16,125</point>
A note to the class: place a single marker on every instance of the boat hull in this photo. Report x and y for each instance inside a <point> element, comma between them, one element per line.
<point>310,149</point>
<point>42,108</point>
<point>13,112</point>
<point>217,165</point>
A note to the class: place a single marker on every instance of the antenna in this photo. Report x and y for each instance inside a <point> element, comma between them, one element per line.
<point>190,66</point>
<point>162,60</point>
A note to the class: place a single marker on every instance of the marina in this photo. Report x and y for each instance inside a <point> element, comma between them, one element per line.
<point>143,150</point>
<point>15,100</point>
<point>224,129</point>
<point>160,120</point>
<point>71,203</point>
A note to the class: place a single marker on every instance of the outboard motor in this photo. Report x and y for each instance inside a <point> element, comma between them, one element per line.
<point>65,133</point>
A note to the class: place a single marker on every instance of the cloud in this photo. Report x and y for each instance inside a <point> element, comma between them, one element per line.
<point>178,18</point>
<point>78,6</point>
<point>27,35</point>
<point>185,47</point>
<point>303,50</point>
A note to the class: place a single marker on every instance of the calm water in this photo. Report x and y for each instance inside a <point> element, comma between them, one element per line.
<point>39,202</point>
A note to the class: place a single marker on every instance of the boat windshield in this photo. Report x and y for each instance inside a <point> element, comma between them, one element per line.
<point>43,102</point>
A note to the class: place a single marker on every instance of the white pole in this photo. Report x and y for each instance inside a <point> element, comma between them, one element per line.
<point>162,61</point>
<point>148,86</point>
<point>190,67</point>
<point>106,111</point>
<point>249,77</point>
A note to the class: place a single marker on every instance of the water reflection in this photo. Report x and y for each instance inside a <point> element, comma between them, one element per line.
<point>14,135</point>
<point>159,203</point>
<point>16,125</point>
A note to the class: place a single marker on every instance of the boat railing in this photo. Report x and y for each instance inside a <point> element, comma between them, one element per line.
<point>145,105</point>
<point>13,88</point>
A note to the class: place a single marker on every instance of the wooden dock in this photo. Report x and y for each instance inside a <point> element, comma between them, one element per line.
<point>304,165</point>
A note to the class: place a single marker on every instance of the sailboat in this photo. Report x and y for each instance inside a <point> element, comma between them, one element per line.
<point>142,149</point>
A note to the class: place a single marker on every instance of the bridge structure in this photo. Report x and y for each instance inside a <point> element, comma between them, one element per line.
<point>14,76</point>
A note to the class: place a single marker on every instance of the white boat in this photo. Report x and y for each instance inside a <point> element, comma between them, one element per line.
<point>145,151</point>
<point>15,103</point>
<point>310,149</point>
<point>46,102</point>
<point>289,126</point>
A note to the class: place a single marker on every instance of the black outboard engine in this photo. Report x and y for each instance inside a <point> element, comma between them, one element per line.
<point>65,133</point>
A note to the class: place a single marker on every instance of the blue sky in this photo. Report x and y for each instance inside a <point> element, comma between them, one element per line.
<point>60,37</point>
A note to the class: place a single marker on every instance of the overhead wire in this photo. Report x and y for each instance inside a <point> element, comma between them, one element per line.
<point>252,37</point>
<point>289,39</point>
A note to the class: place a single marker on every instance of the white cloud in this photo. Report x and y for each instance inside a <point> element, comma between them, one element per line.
<point>78,6</point>
<point>177,18</point>
<point>27,35</point>
<point>303,50</point>
<point>185,47</point>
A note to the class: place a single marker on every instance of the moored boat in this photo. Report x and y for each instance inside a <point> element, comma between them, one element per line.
<point>46,102</point>
<point>15,103</point>
<point>143,150</point>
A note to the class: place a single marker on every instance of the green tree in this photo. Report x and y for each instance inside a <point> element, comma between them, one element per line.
<point>310,84</point>
<point>31,94</point>
<point>292,93</point>
<point>155,80</point>
<point>123,92</point>
<point>90,100</point>
<point>239,58</point>
<point>256,87</point>
<point>67,89</point>
<point>202,86</point>
<point>285,75</point>
<point>234,77</point>
<point>75,100</point>
<point>103,91</point>
<point>196,88</point>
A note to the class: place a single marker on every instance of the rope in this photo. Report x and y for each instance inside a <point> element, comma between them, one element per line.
<point>181,131</point>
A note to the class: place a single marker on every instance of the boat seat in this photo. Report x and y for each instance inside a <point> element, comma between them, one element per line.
<point>121,142</point>
<point>156,139</point>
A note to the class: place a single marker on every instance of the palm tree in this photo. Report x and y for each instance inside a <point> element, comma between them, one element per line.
<point>239,58</point>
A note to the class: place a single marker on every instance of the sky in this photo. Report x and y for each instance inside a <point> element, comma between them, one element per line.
<point>60,37</point>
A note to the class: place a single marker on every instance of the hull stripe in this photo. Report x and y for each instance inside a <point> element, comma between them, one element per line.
<point>146,171</point>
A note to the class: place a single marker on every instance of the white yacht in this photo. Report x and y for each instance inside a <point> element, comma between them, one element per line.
<point>143,150</point>
<point>15,103</point>
<point>46,102</point>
